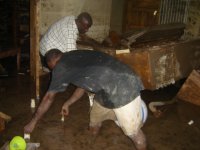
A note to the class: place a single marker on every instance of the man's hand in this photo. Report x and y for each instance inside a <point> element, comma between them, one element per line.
<point>65,109</point>
<point>78,93</point>
<point>43,107</point>
<point>29,127</point>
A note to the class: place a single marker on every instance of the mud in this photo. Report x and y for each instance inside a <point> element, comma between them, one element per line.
<point>169,132</point>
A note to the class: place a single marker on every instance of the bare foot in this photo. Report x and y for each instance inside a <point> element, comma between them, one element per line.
<point>94,130</point>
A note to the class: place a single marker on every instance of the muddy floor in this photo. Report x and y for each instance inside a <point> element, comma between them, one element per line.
<point>169,132</point>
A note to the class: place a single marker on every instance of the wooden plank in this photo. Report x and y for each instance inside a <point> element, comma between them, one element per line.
<point>32,39</point>
<point>2,124</point>
<point>37,51</point>
<point>189,92</point>
<point>162,32</point>
<point>34,49</point>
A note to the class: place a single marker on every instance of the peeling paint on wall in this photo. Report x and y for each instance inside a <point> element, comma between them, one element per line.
<point>193,22</point>
<point>164,70</point>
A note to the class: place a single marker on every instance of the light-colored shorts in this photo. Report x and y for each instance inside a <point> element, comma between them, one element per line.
<point>130,117</point>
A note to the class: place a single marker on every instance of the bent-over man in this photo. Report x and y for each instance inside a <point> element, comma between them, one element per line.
<point>116,88</point>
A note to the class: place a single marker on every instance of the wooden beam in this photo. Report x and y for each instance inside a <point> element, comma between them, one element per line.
<point>34,49</point>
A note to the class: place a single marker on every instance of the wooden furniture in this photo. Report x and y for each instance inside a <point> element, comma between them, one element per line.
<point>140,14</point>
<point>2,124</point>
<point>34,49</point>
<point>12,52</point>
<point>3,119</point>
<point>165,63</point>
<point>19,21</point>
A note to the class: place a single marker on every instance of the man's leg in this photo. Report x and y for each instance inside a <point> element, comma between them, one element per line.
<point>97,115</point>
<point>130,118</point>
<point>139,140</point>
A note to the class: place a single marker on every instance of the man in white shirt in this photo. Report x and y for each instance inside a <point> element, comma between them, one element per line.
<point>63,34</point>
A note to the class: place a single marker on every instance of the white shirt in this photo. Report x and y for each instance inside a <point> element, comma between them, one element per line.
<point>61,35</point>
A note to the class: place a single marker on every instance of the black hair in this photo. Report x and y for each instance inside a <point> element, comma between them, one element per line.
<point>52,54</point>
<point>87,16</point>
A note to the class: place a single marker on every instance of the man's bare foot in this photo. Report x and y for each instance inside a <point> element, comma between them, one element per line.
<point>94,130</point>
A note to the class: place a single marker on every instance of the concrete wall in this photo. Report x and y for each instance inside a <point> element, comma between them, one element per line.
<point>193,23</point>
<point>100,11</point>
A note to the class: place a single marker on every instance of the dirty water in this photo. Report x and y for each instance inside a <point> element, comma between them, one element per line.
<point>169,132</point>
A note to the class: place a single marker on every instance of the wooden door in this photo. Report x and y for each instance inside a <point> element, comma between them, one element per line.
<point>140,14</point>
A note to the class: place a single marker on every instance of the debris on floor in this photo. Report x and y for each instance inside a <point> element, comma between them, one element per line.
<point>159,107</point>
<point>30,146</point>
<point>189,92</point>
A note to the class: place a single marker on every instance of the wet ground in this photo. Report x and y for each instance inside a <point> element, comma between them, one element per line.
<point>169,132</point>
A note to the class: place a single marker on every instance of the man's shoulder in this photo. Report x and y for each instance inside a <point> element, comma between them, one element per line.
<point>60,68</point>
<point>66,19</point>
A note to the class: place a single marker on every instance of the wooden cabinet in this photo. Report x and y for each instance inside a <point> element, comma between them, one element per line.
<point>162,65</point>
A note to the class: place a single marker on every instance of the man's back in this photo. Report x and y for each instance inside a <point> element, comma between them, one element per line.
<point>113,82</point>
<point>61,35</point>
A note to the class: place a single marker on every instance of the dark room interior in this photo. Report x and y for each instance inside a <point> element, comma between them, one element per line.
<point>157,39</point>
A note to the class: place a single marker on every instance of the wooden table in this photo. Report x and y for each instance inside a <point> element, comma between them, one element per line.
<point>12,52</point>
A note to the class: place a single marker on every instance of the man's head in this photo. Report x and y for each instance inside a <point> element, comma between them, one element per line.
<point>52,57</point>
<point>83,22</point>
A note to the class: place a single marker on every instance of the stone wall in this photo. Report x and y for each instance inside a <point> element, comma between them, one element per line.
<point>193,23</point>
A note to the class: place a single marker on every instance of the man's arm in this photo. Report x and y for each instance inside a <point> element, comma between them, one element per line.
<point>43,107</point>
<point>84,39</point>
<point>78,93</point>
